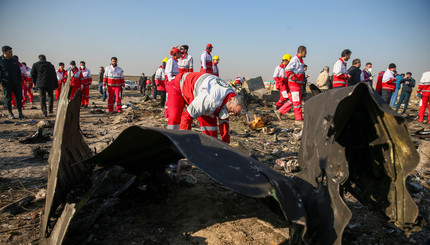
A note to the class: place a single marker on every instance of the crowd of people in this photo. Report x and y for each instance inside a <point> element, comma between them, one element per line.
<point>290,76</point>
<point>187,95</point>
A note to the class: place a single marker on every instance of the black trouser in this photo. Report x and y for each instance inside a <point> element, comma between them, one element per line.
<point>42,94</point>
<point>162,94</point>
<point>142,90</point>
<point>404,98</point>
<point>16,89</point>
<point>386,96</point>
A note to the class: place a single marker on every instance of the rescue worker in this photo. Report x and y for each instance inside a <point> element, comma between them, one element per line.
<point>28,85</point>
<point>283,105</point>
<point>160,82</point>
<point>215,61</point>
<point>113,82</point>
<point>86,84</point>
<point>206,60</point>
<point>185,62</point>
<point>423,92</point>
<point>61,78</point>
<point>295,73</point>
<point>11,79</point>
<point>207,97</point>
<point>171,70</point>
<point>379,82</point>
<point>389,83</point>
<point>238,81</point>
<point>340,71</point>
<point>75,79</point>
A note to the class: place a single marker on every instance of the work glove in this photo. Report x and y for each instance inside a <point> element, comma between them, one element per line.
<point>419,95</point>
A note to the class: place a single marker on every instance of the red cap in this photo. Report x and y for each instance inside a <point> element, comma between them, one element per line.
<point>174,50</point>
<point>209,45</point>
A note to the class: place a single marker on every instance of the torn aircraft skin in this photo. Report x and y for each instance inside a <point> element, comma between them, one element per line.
<point>352,138</point>
<point>334,143</point>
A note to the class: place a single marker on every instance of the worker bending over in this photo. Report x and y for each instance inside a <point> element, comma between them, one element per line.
<point>207,97</point>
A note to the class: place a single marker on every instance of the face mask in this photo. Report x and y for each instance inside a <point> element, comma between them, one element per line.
<point>82,67</point>
<point>72,67</point>
<point>370,69</point>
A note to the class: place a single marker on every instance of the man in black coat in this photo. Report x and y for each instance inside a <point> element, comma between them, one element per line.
<point>11,80</point>
<point>45,79</point>
<point>142,84</point>
<point>355,73</point>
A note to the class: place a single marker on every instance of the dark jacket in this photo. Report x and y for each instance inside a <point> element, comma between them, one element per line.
<point>355,73</point>
<point>407,87</point>
<point>101,74</point>
<point>142,81</point>
<point>44,75</point>
<point>9,71</point>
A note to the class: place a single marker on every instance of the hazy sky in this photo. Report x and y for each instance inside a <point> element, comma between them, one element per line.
<point>250,37</point>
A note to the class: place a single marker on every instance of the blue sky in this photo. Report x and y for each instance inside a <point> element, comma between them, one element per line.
<point>249,36</point>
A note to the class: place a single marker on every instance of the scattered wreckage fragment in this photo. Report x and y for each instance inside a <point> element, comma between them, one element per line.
<point>350,139</point>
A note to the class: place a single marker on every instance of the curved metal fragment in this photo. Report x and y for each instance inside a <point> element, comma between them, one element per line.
<point>348,138</point>
<point>352,137</point>
<point>65,171</point>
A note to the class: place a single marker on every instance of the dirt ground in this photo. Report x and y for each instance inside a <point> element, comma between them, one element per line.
<point>179,213</point>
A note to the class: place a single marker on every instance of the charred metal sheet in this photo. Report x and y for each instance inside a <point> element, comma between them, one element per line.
<point>348,139</point>
<point>65,171</point>
<point>314,89</point>
<point>352,137</point>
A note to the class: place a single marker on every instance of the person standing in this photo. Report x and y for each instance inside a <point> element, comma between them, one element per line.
<point>185,62</point>
<point>171,70</point>
<point>45,79</point>
<point>113,81</point>
<point>305,82</point>
<point>215,65</point>
<point>395,94</point>
<point>101,90</point>
<point>367,74</point>
<point>423,92</point>
<point>86,82</point>
<point>75,79</point>
<point>389,83</point>
<point>208,97</point>
<point>28,84</point>
<point>283,105</point>
<point>379,82</point>
<point>61,78</point>
<point>142,84</point>
<point>295,73</point>
<point>23,70</point>
<point>160,82</point>
<point>11,80</point>
<point>340,72</point>
<point>354,73</point>
<point>408,84</point>
<point>323,80</point>
<point>206,60</point>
